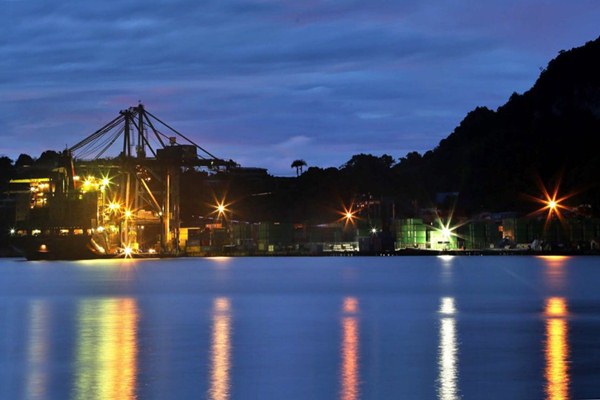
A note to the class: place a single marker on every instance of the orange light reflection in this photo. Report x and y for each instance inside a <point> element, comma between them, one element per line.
<point>350,351</point>
<point>220,350</point>
<point>554,261</point>
<point>555,271</point>
<point>557,349</point>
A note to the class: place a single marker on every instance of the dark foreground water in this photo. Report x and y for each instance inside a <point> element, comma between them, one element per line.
<point>301,328</point>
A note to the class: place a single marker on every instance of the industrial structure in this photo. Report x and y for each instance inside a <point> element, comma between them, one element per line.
<point>96,203</point>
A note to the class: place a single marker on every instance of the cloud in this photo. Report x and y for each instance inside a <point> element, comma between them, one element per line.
<point>250,80</point>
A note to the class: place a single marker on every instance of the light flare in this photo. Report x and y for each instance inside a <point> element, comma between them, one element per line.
<point>348,215</point>
<point>552,204</point>
<point>221,208</point>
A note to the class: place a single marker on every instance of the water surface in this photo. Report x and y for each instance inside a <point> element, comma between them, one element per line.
<point>301,328</point>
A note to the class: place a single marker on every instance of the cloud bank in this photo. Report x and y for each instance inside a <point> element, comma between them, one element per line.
<point>266,82</point>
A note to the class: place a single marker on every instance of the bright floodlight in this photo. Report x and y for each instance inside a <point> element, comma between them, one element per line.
<point>127,251</point>
<point>221,208</point>
<point>446,232</point>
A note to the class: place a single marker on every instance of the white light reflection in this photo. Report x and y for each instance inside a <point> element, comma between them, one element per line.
<point>350,360</point>
<point>448,351</point>
<point>37,355</point>
<point>446,258</point>
<point>447,306</point>
<point>447,268</point>
<point>220,350</point>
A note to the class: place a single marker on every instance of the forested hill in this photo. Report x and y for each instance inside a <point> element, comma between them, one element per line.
<point>493,157</point>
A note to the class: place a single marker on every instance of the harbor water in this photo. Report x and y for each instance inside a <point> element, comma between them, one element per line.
<point>505,327</point>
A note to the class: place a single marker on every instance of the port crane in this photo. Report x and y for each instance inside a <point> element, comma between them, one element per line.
<point>144,189</point>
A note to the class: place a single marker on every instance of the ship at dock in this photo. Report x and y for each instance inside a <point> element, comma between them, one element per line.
<point>84,203</point>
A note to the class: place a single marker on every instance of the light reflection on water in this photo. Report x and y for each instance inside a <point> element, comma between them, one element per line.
<point>38,349</point>
<point>448,351</point>
<point>220,350</point>
<point>349,349</point>
<point>421,328</point>
<point>106,357</point>
<point>557,349</point>
<point>555,273</point>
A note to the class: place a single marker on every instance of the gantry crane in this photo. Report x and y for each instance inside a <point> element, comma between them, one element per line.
<point>145,189</point>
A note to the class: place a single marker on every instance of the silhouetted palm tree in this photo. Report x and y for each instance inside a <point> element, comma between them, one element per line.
<point>298,164</point>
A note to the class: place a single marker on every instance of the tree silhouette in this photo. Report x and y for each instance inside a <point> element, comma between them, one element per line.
<point>298,164</point>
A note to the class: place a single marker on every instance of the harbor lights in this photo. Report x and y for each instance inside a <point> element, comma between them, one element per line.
<point>444,236</point>
<point>114,207</point>
<point>551,204</point>
<point>348,215</point>
<point>128,251</point>
<point>105,182</point>
<point>221,208</point>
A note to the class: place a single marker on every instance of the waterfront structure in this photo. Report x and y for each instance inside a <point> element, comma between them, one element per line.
<point>128,204</point>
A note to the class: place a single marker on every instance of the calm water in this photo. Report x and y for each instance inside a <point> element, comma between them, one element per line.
<point>301,328</point>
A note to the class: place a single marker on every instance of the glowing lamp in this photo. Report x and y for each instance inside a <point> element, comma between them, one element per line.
<point>446,232</point>
<point>127,251</point>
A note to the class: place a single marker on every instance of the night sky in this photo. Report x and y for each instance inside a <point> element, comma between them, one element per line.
<point>266,82</point>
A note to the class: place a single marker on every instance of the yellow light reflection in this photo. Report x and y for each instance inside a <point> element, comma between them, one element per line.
<point>557,349</point>
<point>37,355</point>
<point>220,350</point>
<point>350,351</point>
<point>107,349</point>
<point>448,352</point>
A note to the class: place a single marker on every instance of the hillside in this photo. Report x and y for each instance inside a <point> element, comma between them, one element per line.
<point>493,157</point>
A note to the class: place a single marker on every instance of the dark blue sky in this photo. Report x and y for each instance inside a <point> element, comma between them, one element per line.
<point>266,82</point>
